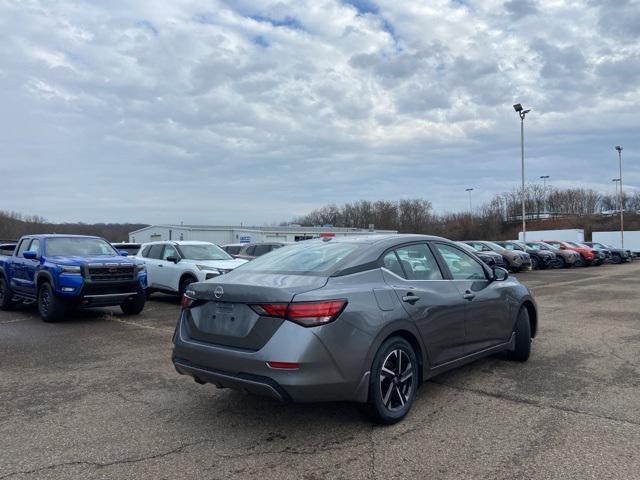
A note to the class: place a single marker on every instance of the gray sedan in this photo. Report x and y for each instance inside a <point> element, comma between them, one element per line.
<point>357,319</point>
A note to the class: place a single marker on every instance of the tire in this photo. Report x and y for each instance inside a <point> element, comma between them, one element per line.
<point>6,295</point>
<point>391,397</point>
<point>184,283</point>
<point>133,306</point>
<point>580,263</point>
<point>522,348</point>
<point>616,258</point>
<point>51,308</point>
<point>535,263</point>
<point>147,293</point>
<point>560,262</point>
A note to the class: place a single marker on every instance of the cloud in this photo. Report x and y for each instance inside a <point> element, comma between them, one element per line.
<point>258,110</point>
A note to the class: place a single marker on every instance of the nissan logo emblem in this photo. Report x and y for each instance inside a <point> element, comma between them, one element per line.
<point>218,292</point>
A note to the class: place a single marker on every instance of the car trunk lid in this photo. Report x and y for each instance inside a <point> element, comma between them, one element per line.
<point>221,313</point>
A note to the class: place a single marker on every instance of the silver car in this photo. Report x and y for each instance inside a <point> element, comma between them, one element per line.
<point>357,319</point>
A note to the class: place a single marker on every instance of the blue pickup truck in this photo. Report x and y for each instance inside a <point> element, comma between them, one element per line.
<point>62,272</point>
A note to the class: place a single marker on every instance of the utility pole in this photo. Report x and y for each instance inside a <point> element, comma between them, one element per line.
<point>522,113</point>
<point>619,149</point>
<point>470,206</point>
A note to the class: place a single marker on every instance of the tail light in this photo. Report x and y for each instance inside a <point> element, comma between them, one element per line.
<point>307,314</point>
<point>186,301</point>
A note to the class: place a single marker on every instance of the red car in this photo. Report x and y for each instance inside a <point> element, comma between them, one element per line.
<point>587,255</point>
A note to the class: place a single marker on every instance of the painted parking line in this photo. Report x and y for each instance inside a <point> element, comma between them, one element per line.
<point>127,322</point>
<point>15,320</point>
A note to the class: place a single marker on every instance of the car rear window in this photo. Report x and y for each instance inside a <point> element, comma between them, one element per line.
<point>318,258</point>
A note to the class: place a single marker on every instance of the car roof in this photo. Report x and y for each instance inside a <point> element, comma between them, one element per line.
<point>178,242</point>
<point>59,235</point>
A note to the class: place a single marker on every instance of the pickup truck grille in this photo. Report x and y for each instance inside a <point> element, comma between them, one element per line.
<point>110,273</point>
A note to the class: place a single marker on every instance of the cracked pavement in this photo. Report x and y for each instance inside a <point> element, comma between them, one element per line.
<point>97,397</point>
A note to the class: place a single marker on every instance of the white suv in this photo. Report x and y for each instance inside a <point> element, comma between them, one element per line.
<point>173,265</point>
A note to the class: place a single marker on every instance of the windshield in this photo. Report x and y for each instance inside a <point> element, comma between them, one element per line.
<point>317,258</point>
<point>494,246</point>
<point>204,251</point>
<point>78,247</point>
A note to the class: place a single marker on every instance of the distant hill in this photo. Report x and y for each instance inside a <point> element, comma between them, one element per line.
<point>13,225</point>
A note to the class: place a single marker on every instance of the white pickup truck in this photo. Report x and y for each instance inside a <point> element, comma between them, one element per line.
<point>172,265</point>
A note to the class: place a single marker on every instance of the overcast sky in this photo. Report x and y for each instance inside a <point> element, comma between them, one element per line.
<point>253,111</point>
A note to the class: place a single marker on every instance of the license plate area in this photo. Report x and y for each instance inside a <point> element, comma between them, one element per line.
<point>224,319</point>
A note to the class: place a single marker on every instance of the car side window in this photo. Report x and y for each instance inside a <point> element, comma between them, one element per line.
<point>251,249</point>
<point>35,246</point>
<point>418,262</point>
<point>145,251</point>
<point>261,250</point>
<point>391,262</point>
<point>508,246</point>
<point>169,251</point>
<point>23,246</point>
<point>461,265</point>
<point>156,251</point>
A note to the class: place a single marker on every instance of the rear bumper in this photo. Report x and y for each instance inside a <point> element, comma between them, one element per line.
<point>254,384</point>
<point>320,377</point>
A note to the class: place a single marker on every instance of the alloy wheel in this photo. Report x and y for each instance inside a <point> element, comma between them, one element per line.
<point>44,301</point>
<point>396,380</point>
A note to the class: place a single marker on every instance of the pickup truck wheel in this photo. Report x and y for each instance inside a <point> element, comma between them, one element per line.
<point>50,307</point>
<point>523,337</point>
<point>616,258</point>
<point>6,295</point>
<point>133,306</point>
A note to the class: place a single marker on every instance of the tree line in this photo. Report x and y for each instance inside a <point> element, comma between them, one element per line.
<point>14,225</point>
<point>499,219</point>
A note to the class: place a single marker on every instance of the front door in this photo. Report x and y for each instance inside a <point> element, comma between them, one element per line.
<point>432,302</point>
<point>487,321</point>
<point>169,271</point>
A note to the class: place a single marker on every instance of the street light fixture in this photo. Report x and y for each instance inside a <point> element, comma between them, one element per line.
<point>619,149</point>
<point>469,190</point>
<point>522,113</point>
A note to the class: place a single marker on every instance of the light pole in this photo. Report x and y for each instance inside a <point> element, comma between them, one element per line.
<point>522,113</point>
<point>469,190</point>
<point>619,149</point>
<point>615,181</point>
<point>544,190</point>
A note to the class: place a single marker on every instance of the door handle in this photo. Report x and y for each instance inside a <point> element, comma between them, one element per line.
<point>160,265</point>
<point>468,295</point>
<point>410,298</point>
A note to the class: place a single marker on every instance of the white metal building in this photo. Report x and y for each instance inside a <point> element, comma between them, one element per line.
<point>222,235</point>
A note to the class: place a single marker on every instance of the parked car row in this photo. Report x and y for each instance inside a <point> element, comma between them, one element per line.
<point>517,255</point>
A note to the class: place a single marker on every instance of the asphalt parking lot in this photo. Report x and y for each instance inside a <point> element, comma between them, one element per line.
<point>97,397</point>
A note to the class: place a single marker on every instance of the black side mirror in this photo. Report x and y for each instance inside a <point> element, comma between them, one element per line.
<point>173,259</point>
<point>499,274</point>
<point>30,255</point>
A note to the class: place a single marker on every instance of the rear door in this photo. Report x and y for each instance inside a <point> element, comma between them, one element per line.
<point>18,280</point>
<point>152,261</point>
<point>487,320</point>
<point>432,302</point>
